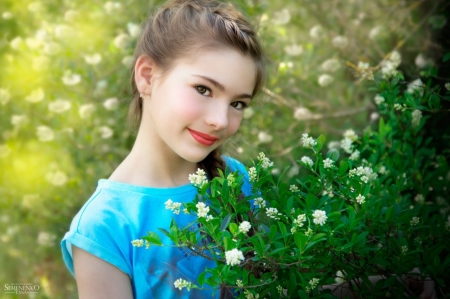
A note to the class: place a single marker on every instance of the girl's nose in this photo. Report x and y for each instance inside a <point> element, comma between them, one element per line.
<point>217,116</point>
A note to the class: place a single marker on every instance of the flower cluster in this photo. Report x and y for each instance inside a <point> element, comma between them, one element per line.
<point>300,219</point>
<point>265,162</point>
<point>259,201</point>
<point>181,283</point>
<point>231,179</point>
<point>364,172</point>
<point>414,221</point>
<point>293,188</point>
<point>307,161</point>
<point>379,99</point>
<point>419,199</point>
<point>328,163</point>
<point>320,217</point>
<point>360,199</point>
<point>244,227</point>
<point>199,178</point>
<point>404,249</point>
<point>202,210</point>
<point>252,174</point>
<point>174,206</point>
<point>307,141</point>
<point>416,116</point>
<point>234,257</point>
<point>365,71</point>
<point>140,243</point>
<point>273,213</point>
<point>389,66</point>
<point>312,284</point>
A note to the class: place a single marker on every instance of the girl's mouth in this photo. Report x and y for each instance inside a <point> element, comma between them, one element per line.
<point>202,138</point>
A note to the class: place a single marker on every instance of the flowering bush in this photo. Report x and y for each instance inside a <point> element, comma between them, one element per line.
<point>362,210</point>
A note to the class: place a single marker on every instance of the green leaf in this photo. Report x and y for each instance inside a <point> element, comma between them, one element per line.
<point>233,228</point>
<point>300,240</point>
<point>333,154</point>
<point>446,57</point>
<point>320,141</point>
<point>201,278</point>
<point>153,238</point>
<point>228,243</point>
<point>282,227</point>
<point>225,223</point>
<point>343,167</point>
<point>272,233</point>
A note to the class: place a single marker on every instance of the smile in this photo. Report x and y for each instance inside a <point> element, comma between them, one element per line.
<point>202,138</point>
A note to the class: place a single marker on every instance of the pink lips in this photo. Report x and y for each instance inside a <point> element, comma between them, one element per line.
<point>202,138</point>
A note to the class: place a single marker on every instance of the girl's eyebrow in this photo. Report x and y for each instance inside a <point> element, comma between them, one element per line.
<point>222,88</point>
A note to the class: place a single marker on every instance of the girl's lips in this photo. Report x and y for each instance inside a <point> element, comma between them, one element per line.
<point>202,138</point>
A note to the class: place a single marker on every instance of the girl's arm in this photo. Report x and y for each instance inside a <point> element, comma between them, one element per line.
<point>99,279</point>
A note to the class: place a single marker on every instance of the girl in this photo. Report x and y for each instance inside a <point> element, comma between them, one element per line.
<point>198,64</point>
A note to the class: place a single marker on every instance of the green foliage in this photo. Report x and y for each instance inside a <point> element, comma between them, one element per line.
<point>366,211</point>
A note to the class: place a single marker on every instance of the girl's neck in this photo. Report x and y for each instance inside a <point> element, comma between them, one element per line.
<point>153,164</point>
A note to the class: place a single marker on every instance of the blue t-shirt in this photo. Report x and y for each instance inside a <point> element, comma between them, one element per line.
<point>119,213</point>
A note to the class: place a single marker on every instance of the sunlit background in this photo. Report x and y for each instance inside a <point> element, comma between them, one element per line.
<point>64,76</point>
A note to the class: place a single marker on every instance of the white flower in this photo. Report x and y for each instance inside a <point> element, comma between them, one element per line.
<point>133,29</point>
<point>244,227</point>
<point>264,137</point>
<point>86,110</point>
<point>59,106</point>
<point>396,58</point>
<point>252,174</point>
<point>416,116</point>
<point>265,162</point>
<point>320,217</point>
<point>378,99</point>
<point>281,17</point>
<point>307,161</point>
<point>309,232</point>
<point>209,217</point>
<point>57,178</point>
<point>360,199</point>
<point>365,179</point>
<point>350,134</point>
<point>301,113</point>
<point>181,283</point>
<point>421,61</point>
<point>234,257</point>
<point>346,145</point>
<point>414,86</point>
<point>293,188</point>
<point>388,69</point>
<point>294,50</point>
<point>7,15</point>
<point>71,79</point>
<point>308,142</point>
<point>121,41</point>
<point>315,32</point>
<point>111,104</point>
<point>404,249</point>
<point>44,133</point>
<point>46,239</point>
<point>259,201</point>
<point>35,96</point>
<point>419,199</point>
<point>330,65</point>
<point>328,163</point>
<point>18,120</point>
<point>300,219</point>
<point>5,96</point>
<point>105,132</point>
<point>340,42</point>
<point>314,282</point>
<point>414,221</point>
<point>447,86</point>
<point>239,283</point>
<point>199,178</point>
<point>339,277</point>
<point>325,80</point>
<point>374,32</point>
<point>110,7</point>
<point>248,112</point>
<point>202,210</point>
<point>128,61</point>
<point>399,107</point>
<point>355,155</point>
<point>93,59</point>
<point>174,206</point>
<point>273,213</point>
<point>137,243</point>
<point>365,71</point>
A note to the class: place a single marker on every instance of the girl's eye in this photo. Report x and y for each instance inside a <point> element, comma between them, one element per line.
<point>203,90</point>
<point>239,105</point>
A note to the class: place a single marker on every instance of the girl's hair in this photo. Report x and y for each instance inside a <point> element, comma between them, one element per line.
<point>181,29</point>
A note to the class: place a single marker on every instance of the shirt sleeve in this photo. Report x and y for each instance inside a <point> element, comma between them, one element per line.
<point>99,230</point>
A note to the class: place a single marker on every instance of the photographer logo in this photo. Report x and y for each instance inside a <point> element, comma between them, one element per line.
<point>21,288</point>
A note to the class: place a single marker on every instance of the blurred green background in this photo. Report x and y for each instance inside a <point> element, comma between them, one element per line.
<point>64,94</point>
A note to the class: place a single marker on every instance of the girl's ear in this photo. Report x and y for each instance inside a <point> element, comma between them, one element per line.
<point>144,73</point>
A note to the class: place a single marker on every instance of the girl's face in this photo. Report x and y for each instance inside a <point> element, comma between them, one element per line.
<point>199,103</point>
